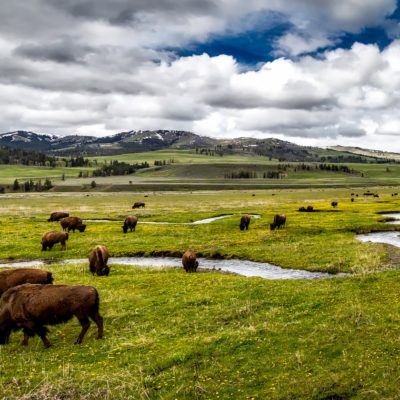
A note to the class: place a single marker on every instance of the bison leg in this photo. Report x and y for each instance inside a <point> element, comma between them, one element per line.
<point>98,319</point>
<point>44,247</point>
<point>25,340</point>
<point>63,246</point>
<point>85,323</point>
<point>41,331</point>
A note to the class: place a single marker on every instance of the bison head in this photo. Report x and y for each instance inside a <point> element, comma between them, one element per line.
<point>242,226</point>
<point>125,228</point>
<point>272,226</point>
<point>81,228</point>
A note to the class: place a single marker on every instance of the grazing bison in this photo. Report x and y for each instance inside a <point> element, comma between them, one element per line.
<point>130,223</point>
<point>57,215</point>
<point>310,208</point>
<point>334,204</point>
<point>302,209</point>
<point>189,261</point>
<point>244,222</point>
<point>352,199</point>
<point>30,307</point>
<point>49,239</point>
<point>98,258</point>
<point>279,220</point>
<point>72,223</point>
<point>18,276</point>
<point>139,205</point>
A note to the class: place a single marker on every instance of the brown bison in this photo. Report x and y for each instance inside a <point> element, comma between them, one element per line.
<point>279,220</point>
<point>130,223</point>
<point>72,223</point>
<point>49,239</point>
<point>30,307</point>
<point>244,222</point>
<point>98,258</point>
<point>139,205</point>
<point>189,261</point>
<point>57,215</point>
<point>18,276</point>
<point>334,204</point>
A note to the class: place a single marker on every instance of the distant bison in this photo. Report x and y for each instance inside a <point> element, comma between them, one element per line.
<point>306,209</point>
<point>30,307</point>
<point>244,222</point>
<point>139,205</point>
<point>72,223</point>
<point>49,239</point>
<point>98,258</point>
<point>279,220</point>
<point>130,223</point>
<point>18,276</point>
<point>189,261</point>
<point>352,199</point>
<point>334,204</point>
<point>57,215</point>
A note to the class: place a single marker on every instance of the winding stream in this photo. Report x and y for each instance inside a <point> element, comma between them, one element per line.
<point>240,267</point>
<point>392,237</point>
<point>199,222</point>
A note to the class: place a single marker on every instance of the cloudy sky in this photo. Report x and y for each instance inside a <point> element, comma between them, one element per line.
<point>315,72</point>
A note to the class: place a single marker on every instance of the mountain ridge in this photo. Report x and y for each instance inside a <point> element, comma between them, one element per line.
<point>148,140</point>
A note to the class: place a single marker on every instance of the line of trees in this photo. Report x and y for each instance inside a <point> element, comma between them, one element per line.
<point>119,168</point>
<point>32,186</point>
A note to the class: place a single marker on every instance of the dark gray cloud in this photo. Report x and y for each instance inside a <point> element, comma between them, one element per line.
<point>61,51</point>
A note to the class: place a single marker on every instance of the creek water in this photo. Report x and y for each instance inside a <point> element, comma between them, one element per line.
<point>199,222</point>
<point>240,267</point>
<point>392,238</point>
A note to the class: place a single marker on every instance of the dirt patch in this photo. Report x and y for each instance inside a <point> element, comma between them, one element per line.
<point>393,254</point>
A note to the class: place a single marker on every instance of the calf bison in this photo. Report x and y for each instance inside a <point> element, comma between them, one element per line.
<point>18,276</point>
<point>31,306</point>
<point>49,239</point>
<point>279,220</point>
<point>189,261</point>
<point>57,215</point>
<point>72,223</point>
<point>130,223</point>
<point>98,258</point>
<point>334,204</point>
<point>244,222</point>
<point>139,205</point>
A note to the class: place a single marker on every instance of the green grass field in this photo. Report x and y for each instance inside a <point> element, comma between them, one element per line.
<point>172,335</point>
<point>201,172</point>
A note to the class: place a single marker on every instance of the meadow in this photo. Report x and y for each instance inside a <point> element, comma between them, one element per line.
<point>172,335</point>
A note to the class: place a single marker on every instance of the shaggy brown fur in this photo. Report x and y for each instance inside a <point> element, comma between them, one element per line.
<point>189,261</point>
<point>49,239</point>
<point>130,223</point>
<point>73,223</point>
<point>98,258</point>
<point>139,205</point>
<point>18,276</point>
<point>31,307</point>
<point>244,222</point>
<point>279,220</point>
<point>57,215</point>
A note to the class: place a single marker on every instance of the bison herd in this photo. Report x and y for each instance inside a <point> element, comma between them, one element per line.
<point>29,300</point>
